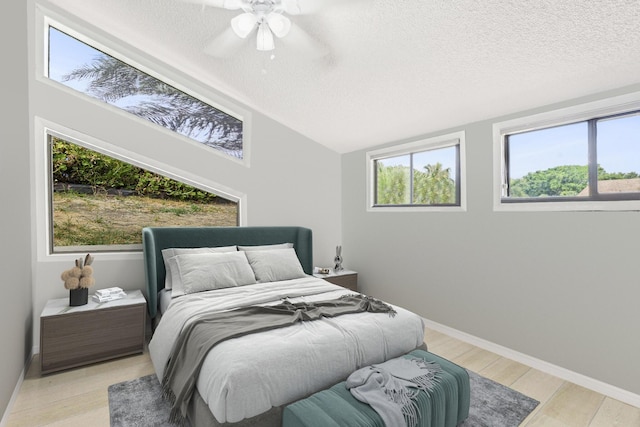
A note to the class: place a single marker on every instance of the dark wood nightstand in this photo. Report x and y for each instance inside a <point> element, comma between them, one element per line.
<point>345,278</point>
<point>76,336</point>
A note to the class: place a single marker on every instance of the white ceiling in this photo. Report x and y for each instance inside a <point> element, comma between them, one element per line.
<point>396,69</point>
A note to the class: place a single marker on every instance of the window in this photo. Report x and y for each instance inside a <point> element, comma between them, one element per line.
<point>553,163</point>
<point>547,163</point>
<point>99,203</point>
<point>101,76</point>
<point>589,162</point>
<point>426,174</point>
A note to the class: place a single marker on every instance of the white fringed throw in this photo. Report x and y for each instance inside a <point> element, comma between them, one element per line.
<point>390,388</point>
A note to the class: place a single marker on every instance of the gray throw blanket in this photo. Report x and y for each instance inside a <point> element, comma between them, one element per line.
<point>390,388</point>
<point>201,335</point>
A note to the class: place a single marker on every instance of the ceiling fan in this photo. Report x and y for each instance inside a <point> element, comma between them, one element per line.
<point>265,18</point>
<point>265,15</point>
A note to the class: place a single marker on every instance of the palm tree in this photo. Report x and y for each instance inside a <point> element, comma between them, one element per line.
<point>393,185</point>
<point>434,186</point>
<point>112,80</point>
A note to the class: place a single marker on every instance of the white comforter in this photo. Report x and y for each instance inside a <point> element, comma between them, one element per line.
<point>246,376</point>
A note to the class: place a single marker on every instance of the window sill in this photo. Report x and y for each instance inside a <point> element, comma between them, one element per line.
<point>409,209</point>
<point>604,206</point>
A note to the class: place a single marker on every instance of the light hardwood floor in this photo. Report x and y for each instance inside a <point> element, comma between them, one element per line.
<point>78,397</point>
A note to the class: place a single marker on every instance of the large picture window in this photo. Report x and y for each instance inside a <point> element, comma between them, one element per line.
<point>99,203</point>
<point>104,77</point>
<point>423,174</point>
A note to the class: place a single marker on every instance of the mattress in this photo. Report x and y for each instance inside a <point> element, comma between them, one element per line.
<point>239,382</point>
<point>164,299</point>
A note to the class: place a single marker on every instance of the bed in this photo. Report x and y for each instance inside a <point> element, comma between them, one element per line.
<point>248,380</point>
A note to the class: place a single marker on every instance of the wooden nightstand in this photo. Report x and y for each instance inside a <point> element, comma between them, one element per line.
<point>76,336</point>
<point>345,278</point>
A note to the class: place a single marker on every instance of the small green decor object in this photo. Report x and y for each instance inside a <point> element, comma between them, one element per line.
<point>78,279</point>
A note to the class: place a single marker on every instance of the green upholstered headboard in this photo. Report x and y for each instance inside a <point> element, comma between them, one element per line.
<point>155,239</point>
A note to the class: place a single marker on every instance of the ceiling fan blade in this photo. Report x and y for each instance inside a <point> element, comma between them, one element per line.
<point>234,4</point>
<point>292,7</point>
<point>224,4</point>
<point>308,7</point>
<point>304,44</point>
<point>224,45</point>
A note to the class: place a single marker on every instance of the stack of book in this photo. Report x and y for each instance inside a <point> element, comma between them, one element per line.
<point>109,294</point>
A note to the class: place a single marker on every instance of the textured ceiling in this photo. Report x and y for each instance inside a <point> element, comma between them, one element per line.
<point>395,69</point>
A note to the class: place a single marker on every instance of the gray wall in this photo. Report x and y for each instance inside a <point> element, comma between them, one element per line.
<point>15,250</point>
<point>559,286</point>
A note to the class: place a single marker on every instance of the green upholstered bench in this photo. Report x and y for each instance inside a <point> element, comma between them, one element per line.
<point>447,405</point>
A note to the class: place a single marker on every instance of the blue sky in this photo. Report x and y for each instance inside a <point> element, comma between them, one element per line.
<point>547,148</point>
<point>444,156</point>
<point>67,54</point>
<point>618,147</point>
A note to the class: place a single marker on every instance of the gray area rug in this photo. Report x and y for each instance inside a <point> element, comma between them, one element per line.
<point>495,405</point>
<point>139,403</point>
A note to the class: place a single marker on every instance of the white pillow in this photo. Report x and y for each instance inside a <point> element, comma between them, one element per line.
<point>207,271</point>
<point>171,252</point>
<point>265,247</point>
<point>276,264</point>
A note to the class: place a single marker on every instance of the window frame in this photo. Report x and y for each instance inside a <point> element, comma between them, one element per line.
<point>455,139</point>
<point>43,187</point>
<point>142,62</point>
<point>588,112</point>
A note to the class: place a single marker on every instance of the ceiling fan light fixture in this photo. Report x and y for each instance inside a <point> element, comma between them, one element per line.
<point>291,6</point>
<point>265,37</point>
<point>244,24</point>
<point>279,24</point>
<point>232,4</point>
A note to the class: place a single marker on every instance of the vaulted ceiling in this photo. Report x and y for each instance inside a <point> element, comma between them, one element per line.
<point>393,69</point>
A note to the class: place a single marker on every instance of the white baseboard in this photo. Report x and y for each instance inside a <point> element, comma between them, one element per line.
<point>16,390</point>
<point>546,367</point>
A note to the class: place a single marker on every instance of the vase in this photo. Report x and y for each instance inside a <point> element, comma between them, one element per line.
<point>338,260</point>
<point>78,296</point>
